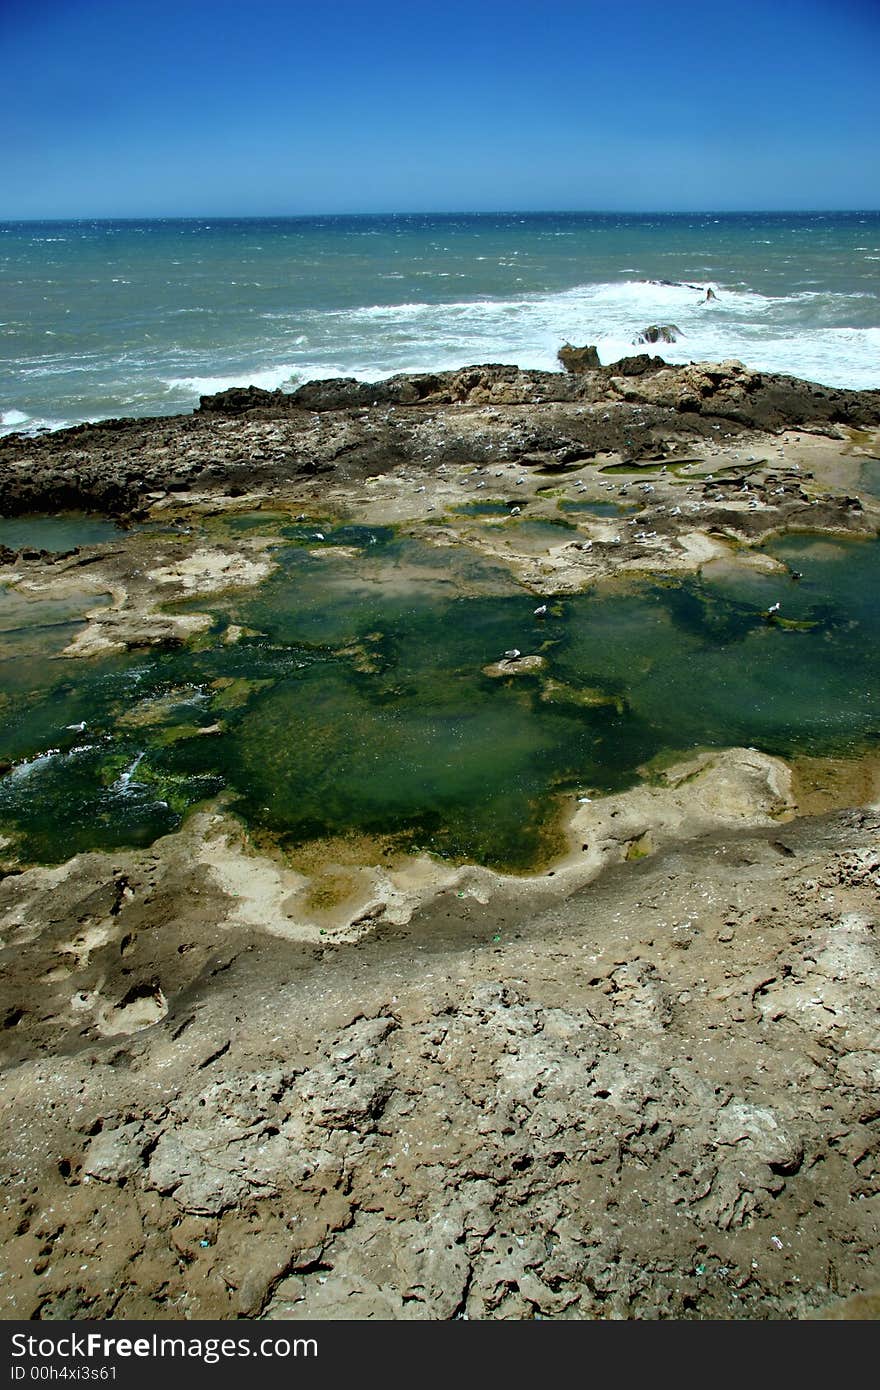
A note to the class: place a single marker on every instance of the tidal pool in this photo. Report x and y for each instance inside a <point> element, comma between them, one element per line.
<point>358,703</point>
<point>490,507</point>
<point>64,531</point>
<point>596,508</point>
<point>869,479</point>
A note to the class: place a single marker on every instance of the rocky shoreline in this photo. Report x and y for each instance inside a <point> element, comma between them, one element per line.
<point>640,1083</point>
<point>248,441</point>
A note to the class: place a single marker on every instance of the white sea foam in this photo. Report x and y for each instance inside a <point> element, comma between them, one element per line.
<point>32,424</point>
<point>124,783</point>
<point>269,379</point>
<point>769,333</point>
<point>814,332</point>
<point>31,765</point>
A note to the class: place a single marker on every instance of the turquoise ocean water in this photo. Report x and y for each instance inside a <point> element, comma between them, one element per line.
<point>105,319</point>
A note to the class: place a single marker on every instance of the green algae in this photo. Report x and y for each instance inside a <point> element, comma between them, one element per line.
<point>234,692</point>
<point>559,692</point>
<point>640,848</point>
<point>355,702</point>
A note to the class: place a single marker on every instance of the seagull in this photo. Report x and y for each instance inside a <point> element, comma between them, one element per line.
<point>774,608</point>
<point>539,612</point>
<point>515,511</point>
<point>318,536</point>
<point>512,655</point>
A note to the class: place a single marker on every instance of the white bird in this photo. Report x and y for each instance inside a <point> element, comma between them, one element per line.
<point>774,608</point>
<point>515,511</point>
<point>319,535</point>
<point>539,612</point>
<point>512,655</point>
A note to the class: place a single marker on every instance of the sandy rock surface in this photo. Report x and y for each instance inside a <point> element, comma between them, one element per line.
<point>655,1097</point>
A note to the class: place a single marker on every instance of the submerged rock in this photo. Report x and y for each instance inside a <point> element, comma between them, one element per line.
<point>659,333</point>
<point>515,666</point>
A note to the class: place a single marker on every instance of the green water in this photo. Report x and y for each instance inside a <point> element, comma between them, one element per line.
<point>34,628</point>
<point>538,536</point>
<point>491,507</point>
<point>359,702</point>
<point>57,533</point>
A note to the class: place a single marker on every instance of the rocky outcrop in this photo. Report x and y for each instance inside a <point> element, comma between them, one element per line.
<point>638,365</point>
<point>579,359</point>
<point>756,400</point>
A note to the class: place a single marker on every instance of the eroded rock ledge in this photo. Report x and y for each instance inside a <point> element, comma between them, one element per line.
<point>657,1099</point>
<point>343,430</point>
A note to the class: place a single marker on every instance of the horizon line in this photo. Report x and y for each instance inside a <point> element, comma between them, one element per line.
<point>454,212</point>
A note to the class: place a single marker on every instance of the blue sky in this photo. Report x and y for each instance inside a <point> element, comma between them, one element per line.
<point>214,107</point>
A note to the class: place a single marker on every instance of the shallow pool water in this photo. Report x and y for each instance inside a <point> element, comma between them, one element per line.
<point>360,703</point>
<point>65,531</point>
<point>490,507</point>
<point>536,537</point>
<point>35,628</point>
<point>596,508</point>
<point>869,479</point>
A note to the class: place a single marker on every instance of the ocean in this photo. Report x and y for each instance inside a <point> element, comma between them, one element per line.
<point>106,318</point>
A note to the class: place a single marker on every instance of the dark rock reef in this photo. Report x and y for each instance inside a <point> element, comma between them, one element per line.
<point>246,437</point>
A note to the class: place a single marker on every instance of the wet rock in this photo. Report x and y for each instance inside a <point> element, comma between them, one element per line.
<point>639,365</point>
<point>238,400</point>
<point>659,333</point>
<point>676,284</point>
